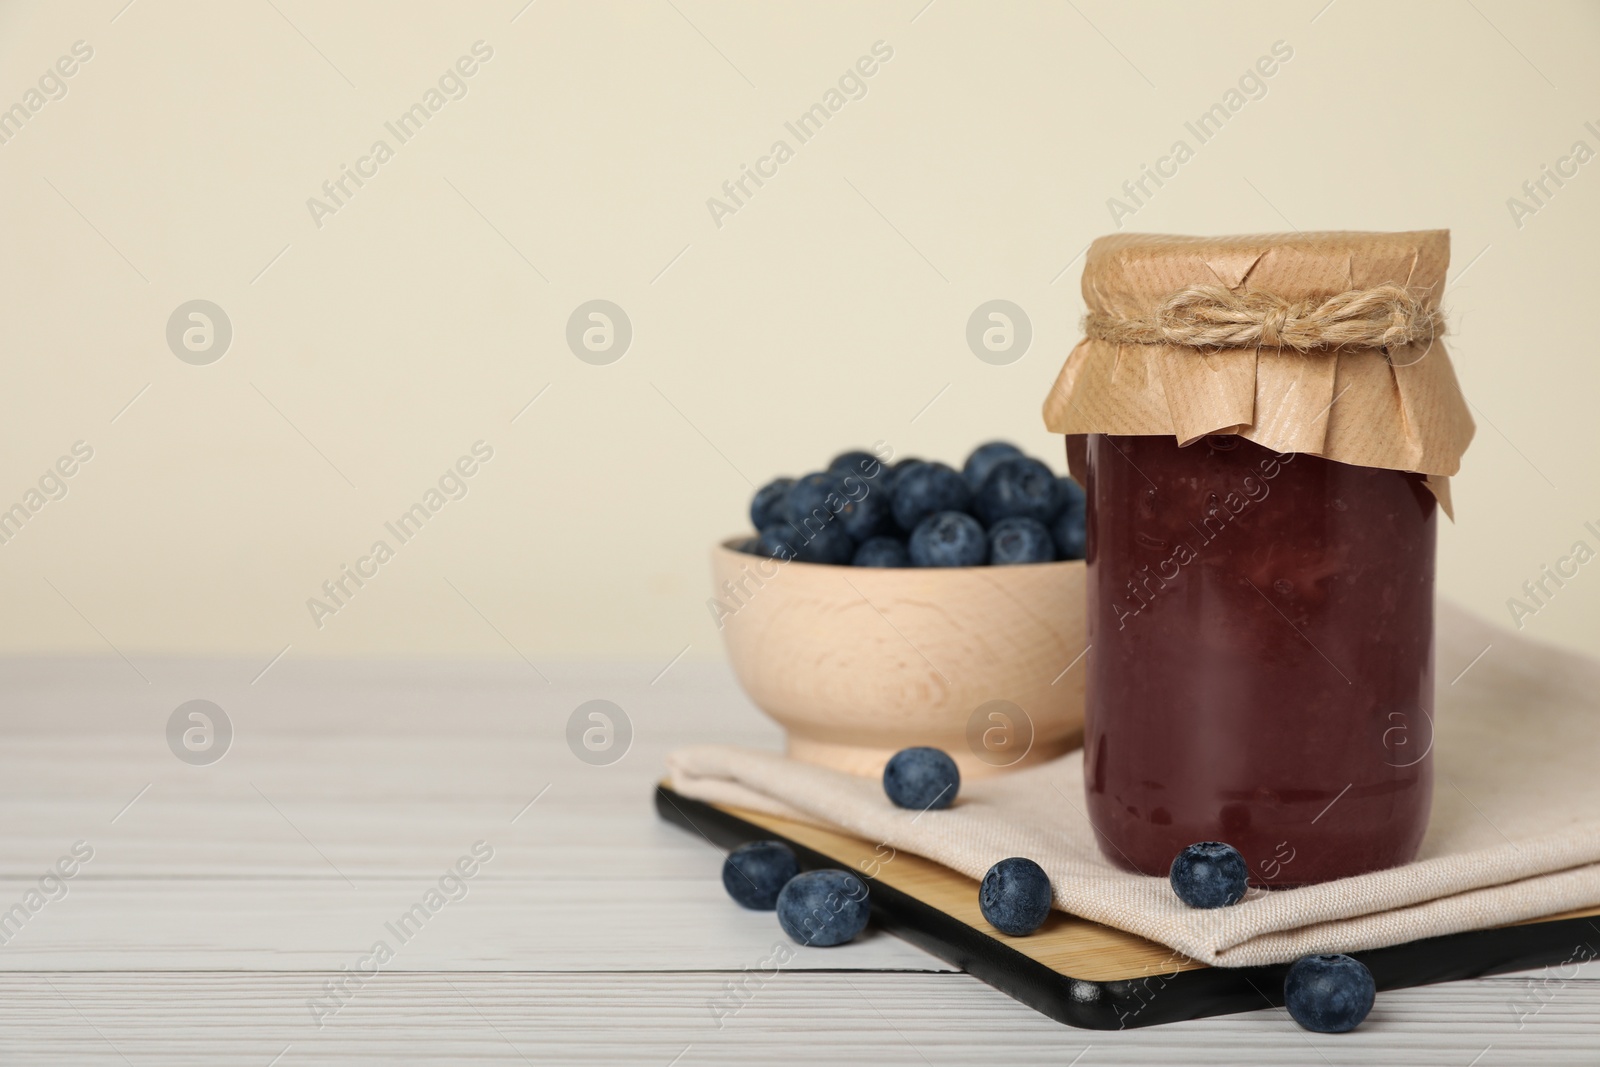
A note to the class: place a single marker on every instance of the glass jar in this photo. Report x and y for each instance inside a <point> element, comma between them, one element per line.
<point>1261,664</point>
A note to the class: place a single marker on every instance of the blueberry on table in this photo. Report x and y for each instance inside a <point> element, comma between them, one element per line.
<point>1209,874</point>
<point>882,552</point>
<point>814,498</point>
<point>825,543</point>
<point>823,908</point>
<point>921,490</point>
<point>1015,896</point>
<point>766,507</point>
<point>1019,540</point>
<point>754,874</point>
<point>1329,994</point>
<point>949,539</point>
<point>921,779</point>
<point>1016,487</point>
<point>984,458</point>
<point>1069,529</point>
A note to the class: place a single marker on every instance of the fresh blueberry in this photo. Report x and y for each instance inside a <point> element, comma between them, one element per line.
<point>1209,875</point>
<point>861,464</point>
<point>1019,540</point>
<point>869,477</point>
<point>1070,535</point>
<point>868,515</point>
<point>1068,528</point>
<point>921,490</point>
<point>1016,487</point>
<point>899,465</point>
<point>949,539</point>
<point>983,459</point>
<point>921,778</point>
<point>1329,994</point>
<point>850,462</point>
<point>882,552</point>
<point>1069,495</point>
<point>777,541</point>
<point>900,470</point>
<point>754,874</point>
<point>824,543</point>
<point>1015,896</point>
<point>814,498</point>
<point>823,908</point>
<point>766,507</point>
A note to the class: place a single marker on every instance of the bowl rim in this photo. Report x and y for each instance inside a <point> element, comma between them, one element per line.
<point>727,545</point>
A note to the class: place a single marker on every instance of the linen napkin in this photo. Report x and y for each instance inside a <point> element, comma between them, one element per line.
<point>1514,834</point>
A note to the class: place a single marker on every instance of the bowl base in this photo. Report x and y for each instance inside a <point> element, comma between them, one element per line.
<point>868,761</point>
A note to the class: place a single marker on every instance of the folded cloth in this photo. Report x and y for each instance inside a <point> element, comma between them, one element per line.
<point>1514,835</point>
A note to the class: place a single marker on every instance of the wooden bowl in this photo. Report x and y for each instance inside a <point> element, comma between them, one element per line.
<point>857,663</point>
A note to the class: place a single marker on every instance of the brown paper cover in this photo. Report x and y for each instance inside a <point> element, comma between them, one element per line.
<point>1401,410</point>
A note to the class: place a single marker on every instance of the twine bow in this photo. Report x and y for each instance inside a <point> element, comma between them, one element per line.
<point>1204,316</point>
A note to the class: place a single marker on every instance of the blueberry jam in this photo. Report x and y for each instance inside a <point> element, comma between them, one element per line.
<point>1262,673</point>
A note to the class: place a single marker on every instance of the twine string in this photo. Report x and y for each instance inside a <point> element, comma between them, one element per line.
<point>1211,316</point>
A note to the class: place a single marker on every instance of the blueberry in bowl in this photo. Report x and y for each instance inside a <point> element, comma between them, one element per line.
<point>882,552</point>
<point>1068,529</point>
<point>1020,540</point>
<point>767,506</point>
<point>776,541</point>
<point>925,489</point>
<point>862,637</point>
<point>900,466</point>
<point>867,517</point>
<point>983,460</point>
<point>949,539</point>
<point>859,464</point>
<point>814,499</point>
<point>1019,487</point>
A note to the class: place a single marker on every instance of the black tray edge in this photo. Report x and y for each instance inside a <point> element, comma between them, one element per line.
<point>1157,998</point>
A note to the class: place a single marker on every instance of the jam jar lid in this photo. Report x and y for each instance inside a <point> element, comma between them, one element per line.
<point>1329,344</point>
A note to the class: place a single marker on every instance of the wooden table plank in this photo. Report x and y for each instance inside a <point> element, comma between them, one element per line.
<point>225,896</point>
<point>504,924</point>
<point>806,1018</point>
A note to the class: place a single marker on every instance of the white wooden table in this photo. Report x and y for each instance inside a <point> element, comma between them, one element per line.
<point>222,899</point>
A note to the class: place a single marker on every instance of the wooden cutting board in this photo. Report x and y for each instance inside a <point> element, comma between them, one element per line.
<point>1085,974</point>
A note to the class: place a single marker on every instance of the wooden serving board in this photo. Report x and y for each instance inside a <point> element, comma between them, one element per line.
<point>1084,974</point>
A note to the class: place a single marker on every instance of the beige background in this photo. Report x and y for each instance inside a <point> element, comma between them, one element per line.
<point>369,353</point>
